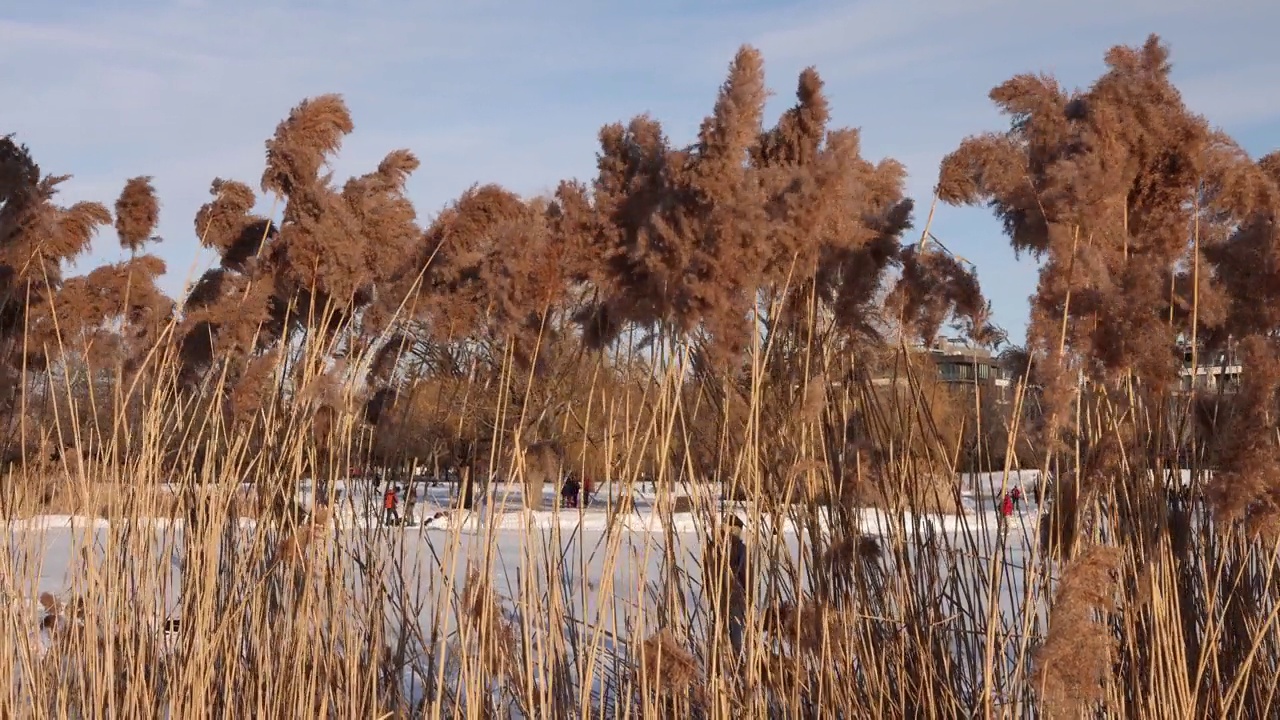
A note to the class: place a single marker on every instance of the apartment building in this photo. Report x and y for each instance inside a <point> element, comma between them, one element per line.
<point>1212,372</point>
<point>966,367</point>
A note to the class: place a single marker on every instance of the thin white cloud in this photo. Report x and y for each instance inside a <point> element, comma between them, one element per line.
<point>1241,97</point>
<point>858,29</point>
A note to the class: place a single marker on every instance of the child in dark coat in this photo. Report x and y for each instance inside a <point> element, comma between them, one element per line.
<point>570,492</point>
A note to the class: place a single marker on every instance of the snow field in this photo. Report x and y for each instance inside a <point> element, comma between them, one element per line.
<point>606,570</point>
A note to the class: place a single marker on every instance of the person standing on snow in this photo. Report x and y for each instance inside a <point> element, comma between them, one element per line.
<point>389,501</point>
<point>570,492</point>
<point>1016,494</point>
<point>1006,510</point>
<point>727,580</point>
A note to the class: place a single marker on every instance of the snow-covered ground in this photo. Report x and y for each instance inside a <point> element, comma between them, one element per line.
<point>612,555</point>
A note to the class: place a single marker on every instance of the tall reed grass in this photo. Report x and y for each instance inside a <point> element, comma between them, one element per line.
<point>1126,603</point>
<point>185,538</point>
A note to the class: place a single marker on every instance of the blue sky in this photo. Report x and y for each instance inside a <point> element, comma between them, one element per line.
<point>514,92</point>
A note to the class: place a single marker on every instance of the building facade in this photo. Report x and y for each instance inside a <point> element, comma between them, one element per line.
<point>1218,372</point>
<point>972,368</point>
<point>964,367</point>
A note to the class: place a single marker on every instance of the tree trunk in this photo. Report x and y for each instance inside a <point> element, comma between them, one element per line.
<point>468,488</point>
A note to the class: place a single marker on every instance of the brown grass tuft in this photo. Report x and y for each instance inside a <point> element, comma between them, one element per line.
<point>1076,657</point>
<point>304,142</point>
<point>137,214</point>
<point>667,668</point>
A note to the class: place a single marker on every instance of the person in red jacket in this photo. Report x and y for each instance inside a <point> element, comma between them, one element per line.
<point>1005,508</point>
<point>1016,494</point>
<point>389,502</point>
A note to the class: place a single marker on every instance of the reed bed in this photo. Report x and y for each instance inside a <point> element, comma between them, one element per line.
<point>793,516</point>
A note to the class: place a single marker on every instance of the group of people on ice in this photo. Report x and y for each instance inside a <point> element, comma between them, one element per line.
<point>572,494</point>
<point>1010,501</point>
